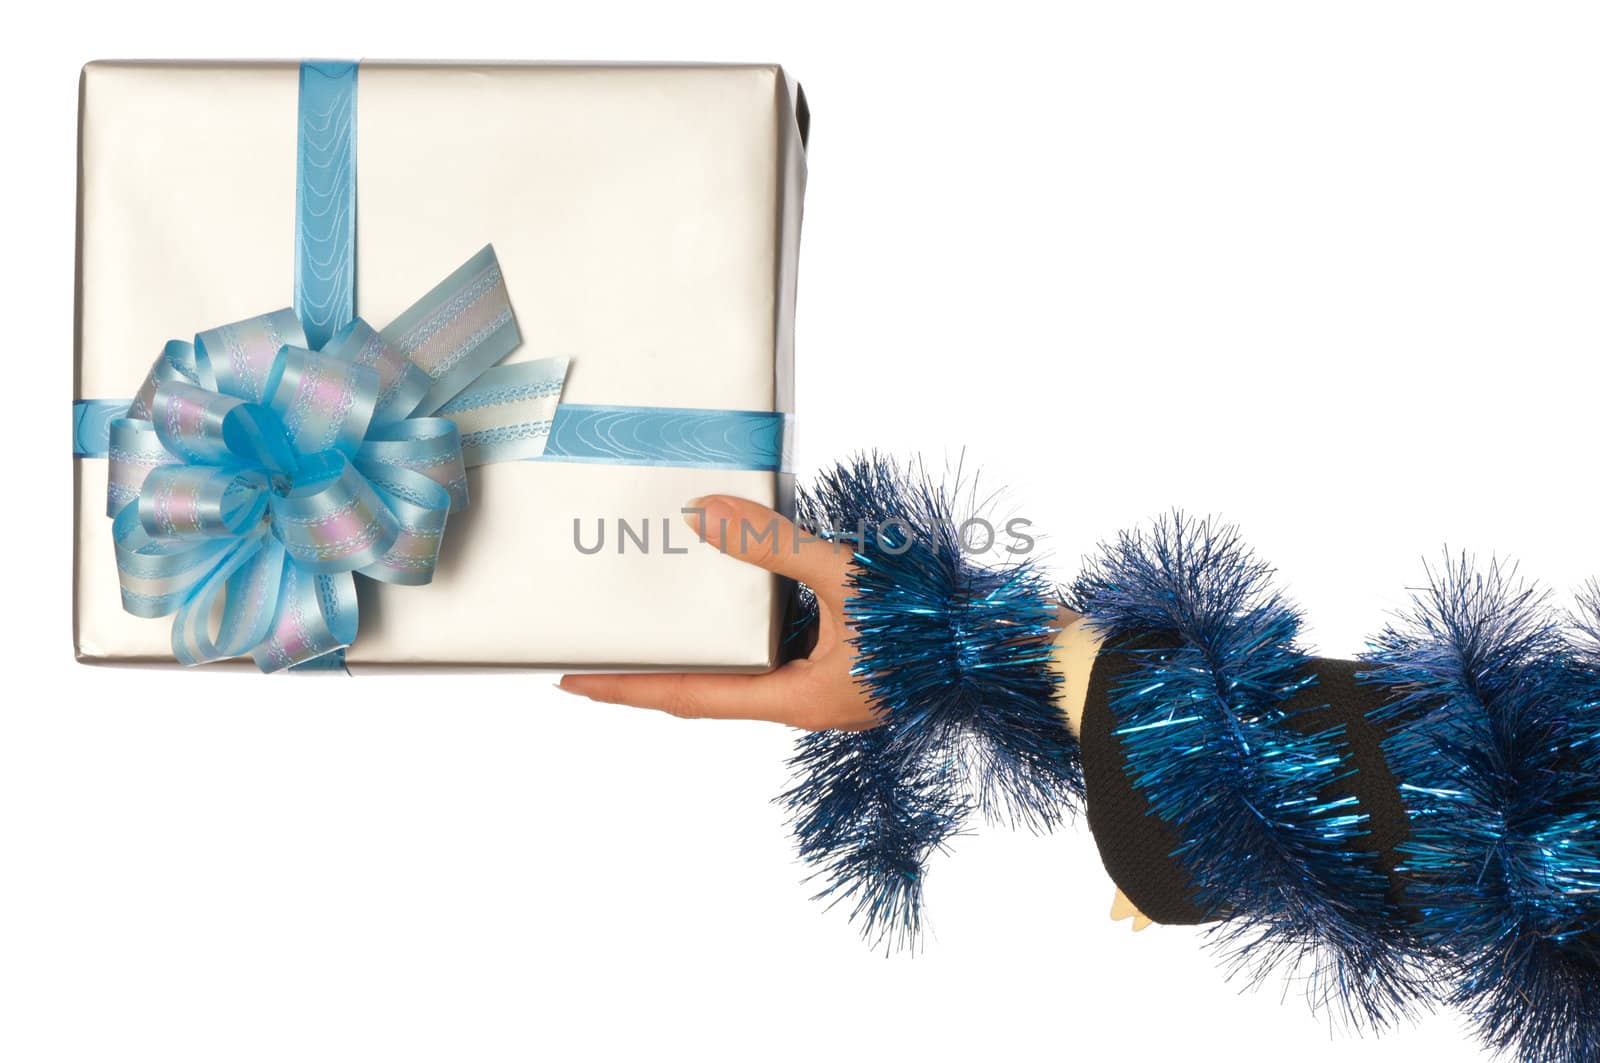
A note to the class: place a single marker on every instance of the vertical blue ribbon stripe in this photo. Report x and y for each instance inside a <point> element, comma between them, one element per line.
<point>325,216</point>
<point>325,201</point>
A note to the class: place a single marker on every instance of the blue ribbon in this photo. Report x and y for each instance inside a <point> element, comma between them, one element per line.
<point>660,435</point>
<point>325,200</point>
<point>604,435</point>
<point>91,425</point>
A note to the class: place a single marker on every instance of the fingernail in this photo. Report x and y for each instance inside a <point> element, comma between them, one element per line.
<point>693,511</point>
<point>710,508</point>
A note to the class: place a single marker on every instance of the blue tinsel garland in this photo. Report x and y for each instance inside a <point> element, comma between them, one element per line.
<point>1497,739</point>
<point>956,657</point>
<point>1271,845</point>
<point>1494,734</point>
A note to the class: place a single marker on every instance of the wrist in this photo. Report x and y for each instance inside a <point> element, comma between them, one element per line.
<point>1075,648</point>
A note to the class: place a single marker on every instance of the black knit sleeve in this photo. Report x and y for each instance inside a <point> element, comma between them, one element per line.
<point>1419,826</point>
<point>1140,852</point>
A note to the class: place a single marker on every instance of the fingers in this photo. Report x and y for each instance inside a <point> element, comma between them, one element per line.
<point>815,693</point>
<point>699,696</point>
<point>760,536</point>
<point>1122,908</point>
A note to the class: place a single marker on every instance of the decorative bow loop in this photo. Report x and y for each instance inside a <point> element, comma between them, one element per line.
<point>252,477</point>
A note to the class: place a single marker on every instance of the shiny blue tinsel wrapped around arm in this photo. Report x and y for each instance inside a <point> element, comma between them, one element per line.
<point>1210,723</point>
<point>956,657</point>
<point>1487,701</point>
<point>1496,736</point>
<point>1419,826</point>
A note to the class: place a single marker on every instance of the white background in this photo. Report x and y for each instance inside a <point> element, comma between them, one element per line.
<point>1328,270</point>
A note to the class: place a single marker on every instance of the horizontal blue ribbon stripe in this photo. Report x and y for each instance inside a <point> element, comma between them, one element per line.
<point>662,435</point>
<point>604,435</point>
<point>91,425</point>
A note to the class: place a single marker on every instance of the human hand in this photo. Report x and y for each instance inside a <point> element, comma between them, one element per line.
<point>814,693</point>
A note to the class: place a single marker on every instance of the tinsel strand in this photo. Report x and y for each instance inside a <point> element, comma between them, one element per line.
<point>955,657</point>
<point>1205,730</point>
<point>1497,736</point>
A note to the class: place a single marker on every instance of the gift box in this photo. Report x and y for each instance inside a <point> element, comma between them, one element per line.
<point>639,222</point>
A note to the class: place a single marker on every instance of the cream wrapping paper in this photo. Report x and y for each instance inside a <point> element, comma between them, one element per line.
<point>647,221</point>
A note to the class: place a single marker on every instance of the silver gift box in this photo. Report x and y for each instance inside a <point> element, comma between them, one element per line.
<point>647,220</point>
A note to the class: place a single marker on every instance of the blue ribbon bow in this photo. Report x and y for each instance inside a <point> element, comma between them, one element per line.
<point>252,477</point>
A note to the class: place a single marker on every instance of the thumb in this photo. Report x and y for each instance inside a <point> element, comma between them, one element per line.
<point>764,537</point>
